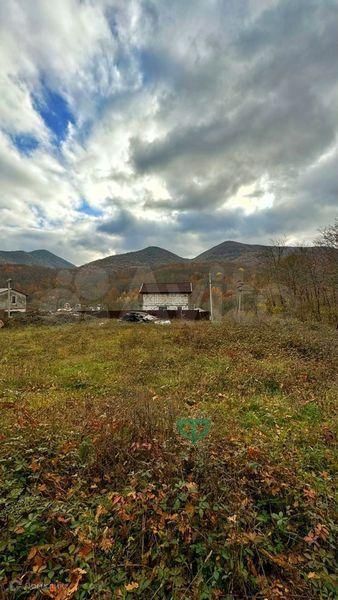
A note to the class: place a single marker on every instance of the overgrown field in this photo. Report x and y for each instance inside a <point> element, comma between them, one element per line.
<point>101,497</point>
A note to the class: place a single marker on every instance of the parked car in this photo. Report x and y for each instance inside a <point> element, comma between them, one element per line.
<point>142,317</point>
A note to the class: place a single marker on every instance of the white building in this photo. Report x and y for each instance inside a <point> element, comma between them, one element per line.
<point>17,300</point>
<point>165,296</point>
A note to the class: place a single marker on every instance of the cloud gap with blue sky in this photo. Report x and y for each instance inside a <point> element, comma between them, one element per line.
<point>55,112</point>
<point>181,124</point>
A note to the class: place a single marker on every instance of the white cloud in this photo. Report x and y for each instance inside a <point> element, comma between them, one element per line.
<point>201,120</point>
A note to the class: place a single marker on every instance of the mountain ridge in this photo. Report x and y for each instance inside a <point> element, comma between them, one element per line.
<point>149,256</point>
<point>38,258</point>
<point>230,251</point>
<point>236,252</point>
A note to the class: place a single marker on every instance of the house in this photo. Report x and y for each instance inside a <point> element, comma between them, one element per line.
<point>165,296</point>
<point>17,300</point>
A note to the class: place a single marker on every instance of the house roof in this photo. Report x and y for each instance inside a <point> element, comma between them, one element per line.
<point>166,288</point>
<point>12,290</point>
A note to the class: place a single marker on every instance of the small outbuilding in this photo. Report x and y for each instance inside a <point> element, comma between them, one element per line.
<point>166,296</point>
<point>17,301</point>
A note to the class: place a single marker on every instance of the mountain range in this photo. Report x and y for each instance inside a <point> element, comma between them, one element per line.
<point>152,256</point>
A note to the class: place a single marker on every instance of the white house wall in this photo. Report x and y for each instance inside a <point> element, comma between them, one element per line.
<point>18,306</point>
<point>172,301</point>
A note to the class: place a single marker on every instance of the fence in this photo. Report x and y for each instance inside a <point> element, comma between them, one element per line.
<point>185,315</point>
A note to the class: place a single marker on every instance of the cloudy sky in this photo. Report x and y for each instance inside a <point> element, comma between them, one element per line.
<point>128,123</point>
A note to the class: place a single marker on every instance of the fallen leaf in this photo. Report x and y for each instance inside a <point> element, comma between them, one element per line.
<point>75,580</point>
<point>232,519</point>
<point>313,575</point>
<point>85,550</point>
<point>100,511</point>
<point>130,587</point>
<point>192,486</point>
<point>106,544</point>
<point>310,494</point>
<point>34,466</point>
<point>39,564</point>
<point>117,499</point>
<point>190,509</point>
<point>62,591</point>
<point>62,519</point>
<point>253,452</point>
<point>33,551</point>
<point>42,487</point>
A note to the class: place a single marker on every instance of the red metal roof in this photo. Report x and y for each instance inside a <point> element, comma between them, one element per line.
<point>166,288</point>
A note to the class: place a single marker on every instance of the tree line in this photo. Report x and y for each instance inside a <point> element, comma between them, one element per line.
<point>303,282</point>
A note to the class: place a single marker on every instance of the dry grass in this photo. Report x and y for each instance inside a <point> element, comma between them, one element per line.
<point>97,478</point>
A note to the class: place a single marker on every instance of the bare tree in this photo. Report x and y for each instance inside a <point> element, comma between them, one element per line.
<point>304,282</point>
<point>272,259</point>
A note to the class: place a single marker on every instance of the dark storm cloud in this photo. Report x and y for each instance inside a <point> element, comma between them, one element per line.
<point>301,21</point>
<point>279,130</point>
<point>265,225</point>
<point>278,118</point>
<point>195,196</point>
<point>119,224</point>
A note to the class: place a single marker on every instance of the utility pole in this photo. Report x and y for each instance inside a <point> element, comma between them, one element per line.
<point>9,281</point>
<point>240,284</point>
<point>239,300</point>
<point>211,301</point>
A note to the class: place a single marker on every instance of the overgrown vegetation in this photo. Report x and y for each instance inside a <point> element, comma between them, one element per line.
<point>303,283</point>
<point>100,496</point>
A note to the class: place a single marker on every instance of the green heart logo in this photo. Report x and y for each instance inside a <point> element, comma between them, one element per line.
<point>193,429</point>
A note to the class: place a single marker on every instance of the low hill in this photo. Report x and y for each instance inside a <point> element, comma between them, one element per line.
<point>234,252</point>
<point>148,257</point>
<point>39,258</point>
<point>28,278</point>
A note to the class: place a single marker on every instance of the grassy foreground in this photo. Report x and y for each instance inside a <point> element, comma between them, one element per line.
<point>102,498</point>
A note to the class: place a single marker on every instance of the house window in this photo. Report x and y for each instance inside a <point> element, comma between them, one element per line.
<point>163,307</point>
<point>13,299</point>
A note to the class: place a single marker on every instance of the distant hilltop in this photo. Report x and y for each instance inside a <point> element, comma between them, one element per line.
<point>38,258</point>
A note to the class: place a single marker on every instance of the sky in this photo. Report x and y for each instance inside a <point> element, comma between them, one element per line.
<point>181,124</point>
